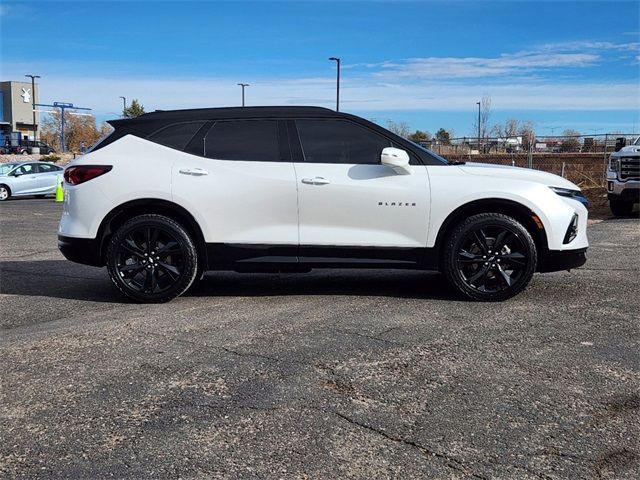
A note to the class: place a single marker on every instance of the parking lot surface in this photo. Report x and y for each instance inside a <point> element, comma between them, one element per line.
<point>330,374</point>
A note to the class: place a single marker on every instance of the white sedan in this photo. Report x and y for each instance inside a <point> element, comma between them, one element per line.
<point>20,179</point>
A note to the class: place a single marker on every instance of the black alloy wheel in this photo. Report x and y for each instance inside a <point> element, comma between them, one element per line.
<point>490,257</point>
<point>151,258</point>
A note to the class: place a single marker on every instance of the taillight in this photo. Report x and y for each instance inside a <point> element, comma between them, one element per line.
<point>83,173</point>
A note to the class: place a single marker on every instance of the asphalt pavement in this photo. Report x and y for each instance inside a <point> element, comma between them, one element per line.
<point>328,374</point>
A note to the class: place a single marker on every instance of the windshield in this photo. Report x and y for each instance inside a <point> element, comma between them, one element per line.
<point>431,152</point>
<point>7,167</point>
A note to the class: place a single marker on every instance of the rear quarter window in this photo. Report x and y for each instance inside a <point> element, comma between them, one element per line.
<point>177,135</point>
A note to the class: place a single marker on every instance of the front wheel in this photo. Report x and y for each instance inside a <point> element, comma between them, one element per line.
<point>5,193</point>
<point>620,208</point>
<point>152,259</point>
<point>489,257</point>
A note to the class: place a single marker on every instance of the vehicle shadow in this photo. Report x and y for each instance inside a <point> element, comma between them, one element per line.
<point>67,280</point>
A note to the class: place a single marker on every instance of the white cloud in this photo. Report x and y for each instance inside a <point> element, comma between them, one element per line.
<point>475,67</point>
<point>581,45</point>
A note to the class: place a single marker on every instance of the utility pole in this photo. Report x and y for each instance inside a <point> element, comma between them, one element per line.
<point>478,103</point>
<point>243,85</point>
<point>337,60</point>
<point>124,105</point>
<point>33,103</point>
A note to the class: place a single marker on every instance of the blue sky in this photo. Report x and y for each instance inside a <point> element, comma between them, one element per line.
<point>559,64</point>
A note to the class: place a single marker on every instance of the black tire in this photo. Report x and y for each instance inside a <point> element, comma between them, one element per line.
<point>152,259</point>
<point>473,267</point>
<point>620,208</point>
<point>5,193</point>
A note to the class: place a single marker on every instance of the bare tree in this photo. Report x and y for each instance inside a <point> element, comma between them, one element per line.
<point>510,129</point>
<point>571,142</point>
<point>401,129</point>
<point>485,114</point>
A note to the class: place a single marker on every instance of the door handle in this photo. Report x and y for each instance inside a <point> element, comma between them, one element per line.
<point>196,172</point>
<point>316,181</point>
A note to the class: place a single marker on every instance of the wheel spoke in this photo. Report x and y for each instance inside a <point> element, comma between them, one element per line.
<point>481,274</point>
<point>130,246</point>
<point>170,269</point>
<point>154,238</point>
<point>154,279</point>
<point>515,258</point>
<point>146,286</point>
<point>465,256</point>
<point>502,239</point>
<point>129,271</point>
<point>505,276</point>
<point>169,248</point>
<point>481,240</point>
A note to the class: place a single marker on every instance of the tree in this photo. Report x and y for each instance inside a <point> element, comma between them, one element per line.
<point>443,137</point>
<point>528,133</point>
<point>510,129</point>
<point>420,136</point>
<point>401,129</point>
<point>485,114</point>
<point>78,129</point>
<point>135,109</point>
<point>571,142</point>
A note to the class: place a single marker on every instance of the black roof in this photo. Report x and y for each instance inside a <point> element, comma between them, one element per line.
<point>199,114</point>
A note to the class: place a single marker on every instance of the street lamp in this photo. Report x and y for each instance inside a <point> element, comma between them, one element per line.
<point>478,103</point>
<point>33,102</point>
<point>337,60</point>
<point>243,85</point>
<point>124,105</point>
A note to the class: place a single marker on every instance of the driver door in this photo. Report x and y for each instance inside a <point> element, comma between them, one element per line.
<point>351,207</point>
<point>25,180</point>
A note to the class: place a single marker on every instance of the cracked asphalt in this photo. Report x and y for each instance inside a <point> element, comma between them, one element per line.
<point>330,374</point>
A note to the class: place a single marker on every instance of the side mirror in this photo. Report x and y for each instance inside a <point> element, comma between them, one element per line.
<point>17,174</point>
<point>397,159</point>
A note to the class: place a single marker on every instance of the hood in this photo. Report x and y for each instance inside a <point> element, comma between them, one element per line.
<point>517,173</point>
<point>631,150</point>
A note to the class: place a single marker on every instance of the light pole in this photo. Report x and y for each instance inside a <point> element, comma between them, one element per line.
<point>33,102</point>
<point>243,85</point>
<point>478,103</point>
<point>124,105</point>
<point>337,60</point>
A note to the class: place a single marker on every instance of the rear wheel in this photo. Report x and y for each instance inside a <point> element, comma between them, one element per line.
<point>490,257</point>
<point>152,259</point>
<point>620,208</point>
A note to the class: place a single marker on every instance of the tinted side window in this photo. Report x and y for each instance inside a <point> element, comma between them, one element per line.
<point>255,140</point>
<point>25,169</point>
<point>339,141</point>
<point>176,136</point>
<point>44,168</point>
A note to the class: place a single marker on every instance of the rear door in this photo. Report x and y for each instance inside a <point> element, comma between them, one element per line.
<point>47,177</point>
<point>238,174</point>
<point>350,205</point>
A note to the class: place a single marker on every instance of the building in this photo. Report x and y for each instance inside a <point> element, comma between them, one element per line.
<point>16,112</point>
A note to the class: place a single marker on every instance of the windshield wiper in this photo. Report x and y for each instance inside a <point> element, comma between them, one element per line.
<point>457,162</point>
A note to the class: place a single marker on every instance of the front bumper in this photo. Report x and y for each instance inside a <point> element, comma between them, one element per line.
<point>81,250</point>
<point>558,260</point>
<point>629,190</point>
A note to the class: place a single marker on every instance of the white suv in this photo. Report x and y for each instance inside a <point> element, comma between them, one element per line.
<point>172,194</point>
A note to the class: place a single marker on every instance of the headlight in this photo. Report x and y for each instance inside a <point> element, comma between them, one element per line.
<point>574,194</point>
<point>614,164</point>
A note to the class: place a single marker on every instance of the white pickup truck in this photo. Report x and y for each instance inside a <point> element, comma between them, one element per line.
<point>623,179</point>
